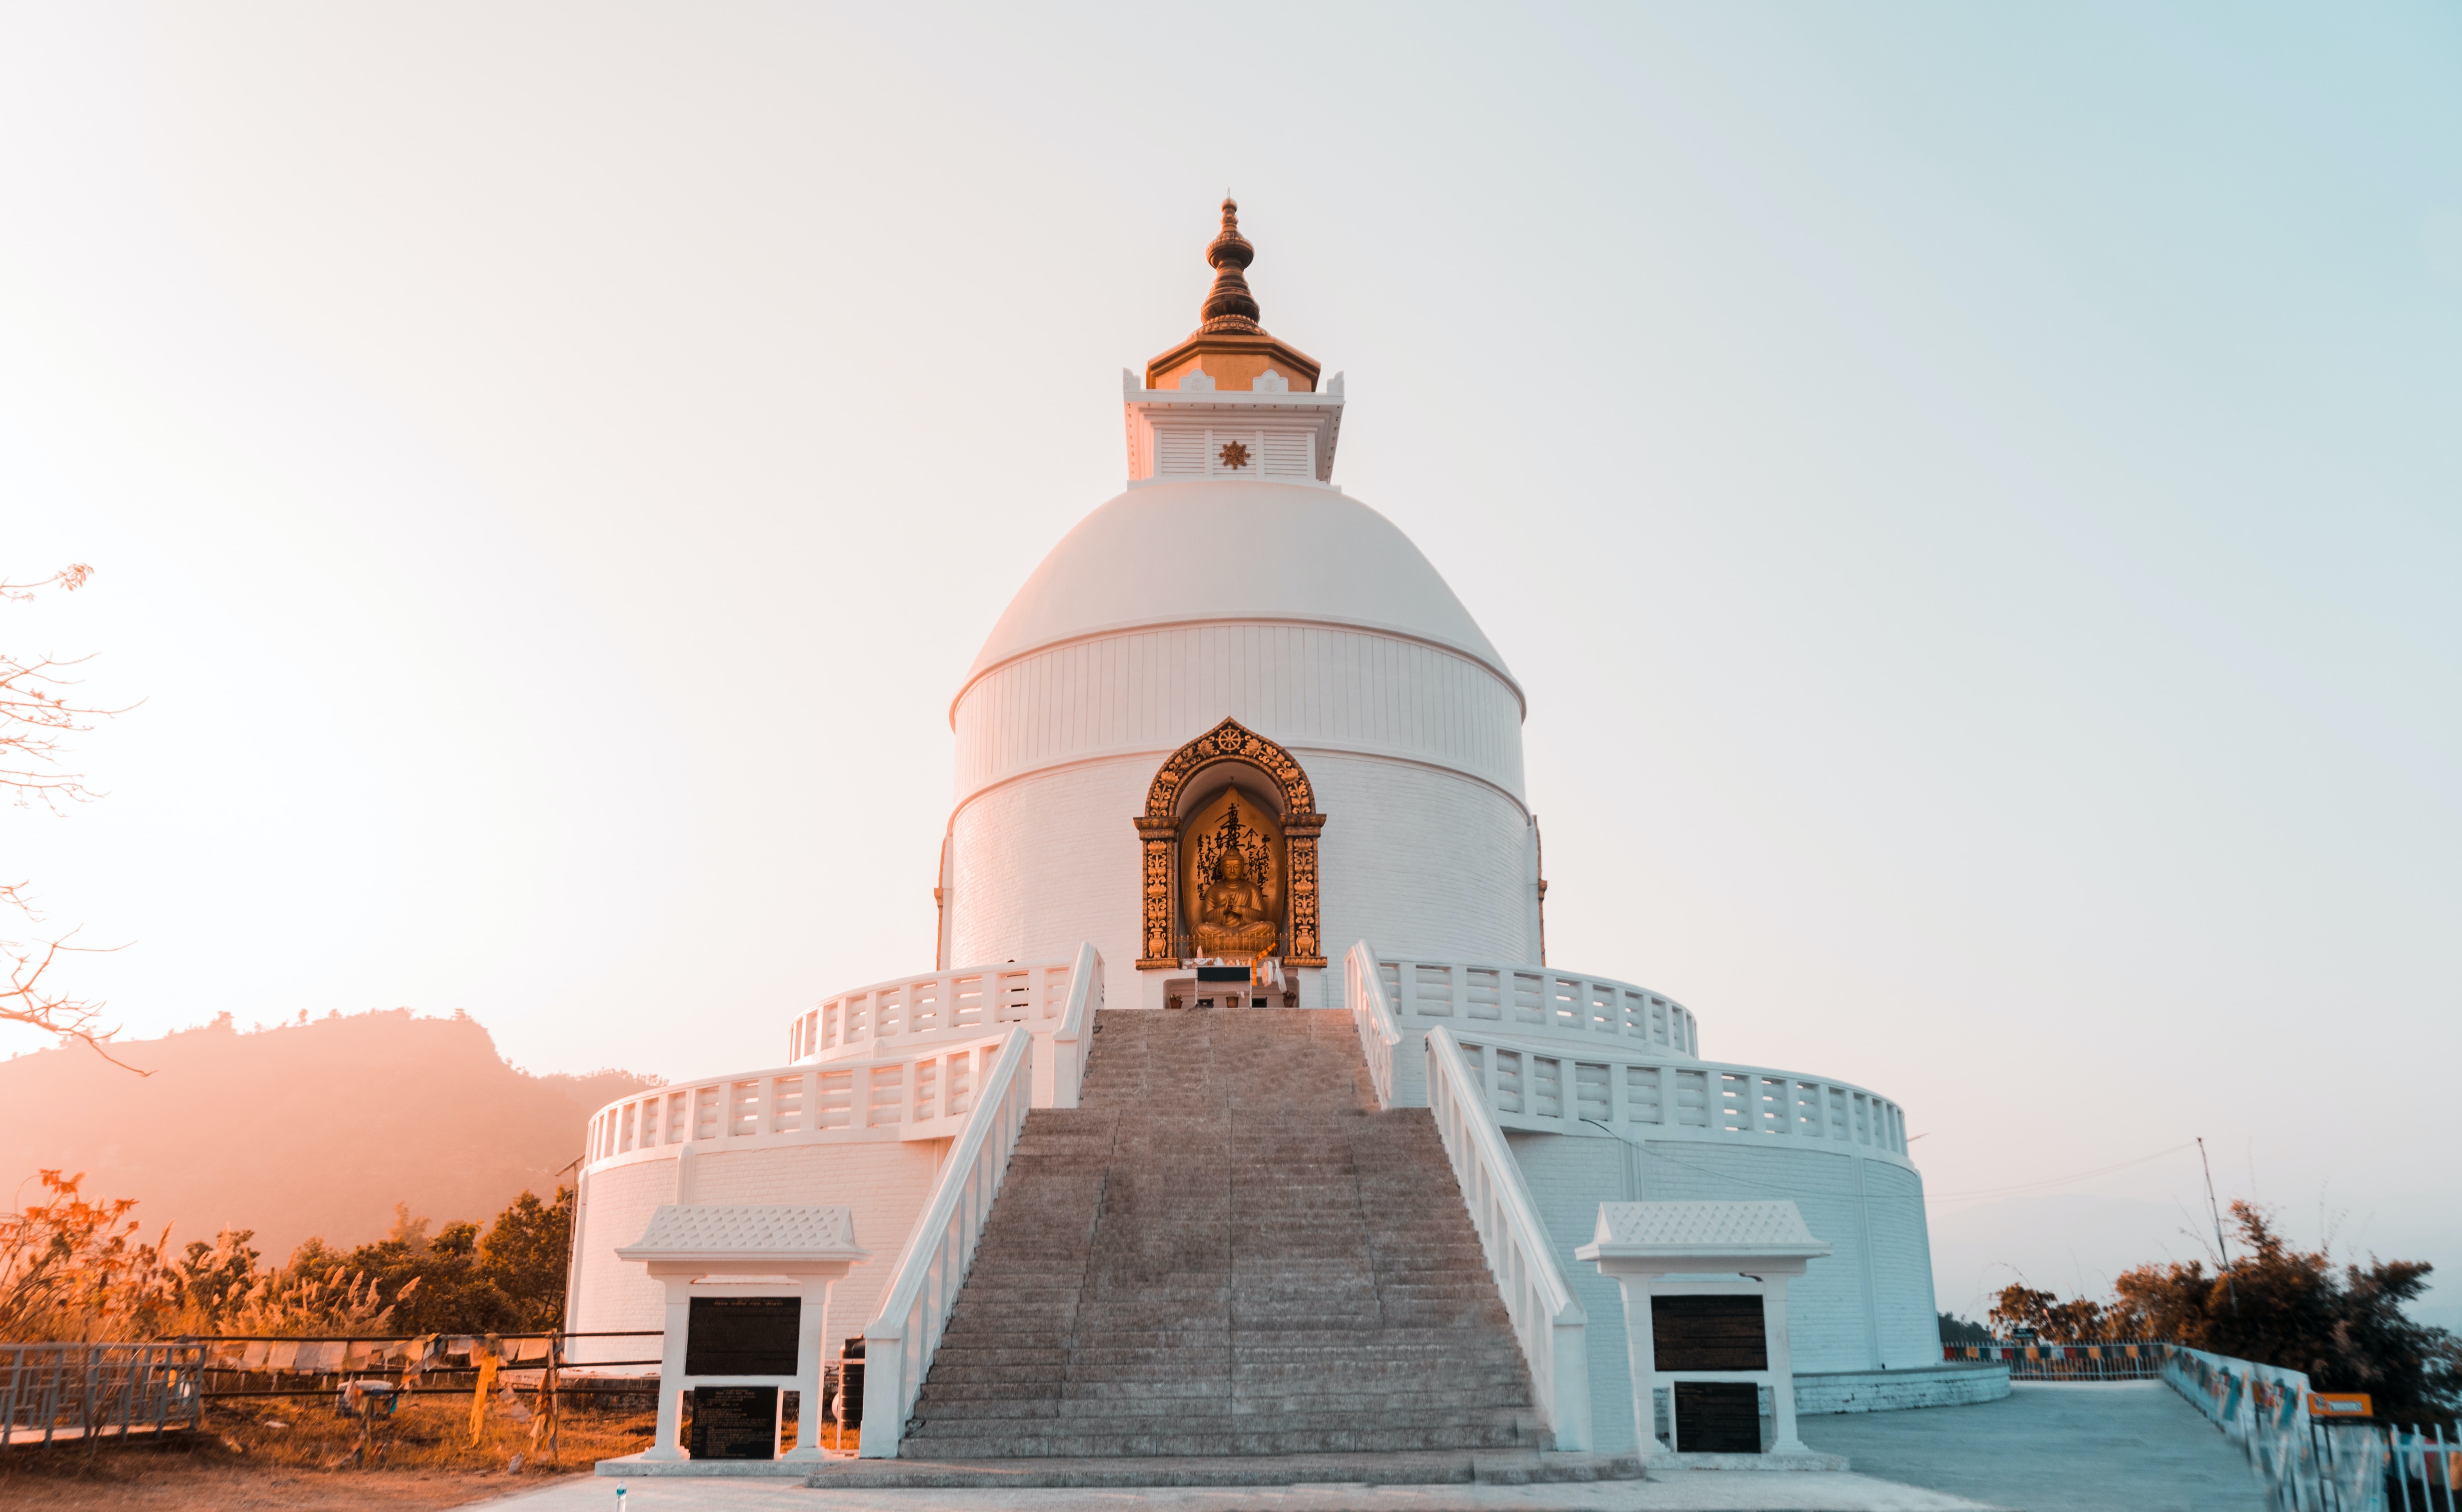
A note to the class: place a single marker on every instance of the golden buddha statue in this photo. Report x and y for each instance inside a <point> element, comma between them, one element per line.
<point>1233,918</point>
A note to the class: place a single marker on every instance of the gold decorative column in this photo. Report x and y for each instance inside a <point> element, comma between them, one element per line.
<point>1299,833</point>
<point>1161,837</point>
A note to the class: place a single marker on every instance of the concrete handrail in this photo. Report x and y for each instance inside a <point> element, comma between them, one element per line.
<point>887,1017</point>
<point>1547,1319</point>
<point>1544,1086</point>
<point>1480,996</point>
<point>899,1340</point>
<point>1373,1016</point>
<point>1072,1040</point>
<point>923,1093</point>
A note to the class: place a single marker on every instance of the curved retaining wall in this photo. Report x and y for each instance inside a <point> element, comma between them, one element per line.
<point>1830,1393</point>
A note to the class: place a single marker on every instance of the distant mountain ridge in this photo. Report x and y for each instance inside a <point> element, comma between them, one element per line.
<point>316,1128</point>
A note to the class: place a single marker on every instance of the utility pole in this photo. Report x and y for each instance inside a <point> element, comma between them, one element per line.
<point>2230,1288</point>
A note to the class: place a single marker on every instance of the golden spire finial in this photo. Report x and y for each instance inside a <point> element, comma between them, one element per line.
<point>1230,306</point>
<point>1229,350</point>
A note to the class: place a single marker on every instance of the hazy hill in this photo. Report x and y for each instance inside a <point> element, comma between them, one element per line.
<point>315,1128</point>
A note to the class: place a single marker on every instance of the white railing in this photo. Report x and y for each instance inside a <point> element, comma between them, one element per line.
<point>974,1000</point>
<point>923,1094</point>
<point>1549,1323</point>
<point>1532,1000</point>
<point>1060,1065</point>
<point>1378,1036</point>
<point>1052,998</point>
<point>899,1340</point>
<point>1536,1084</point>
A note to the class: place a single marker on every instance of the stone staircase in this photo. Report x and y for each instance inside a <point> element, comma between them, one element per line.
<point>1225,1250</point>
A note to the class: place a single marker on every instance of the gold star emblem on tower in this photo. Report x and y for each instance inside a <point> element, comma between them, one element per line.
<point>1235,454</point>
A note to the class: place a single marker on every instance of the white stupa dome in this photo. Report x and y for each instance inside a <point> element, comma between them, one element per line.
<point>1191,552</point>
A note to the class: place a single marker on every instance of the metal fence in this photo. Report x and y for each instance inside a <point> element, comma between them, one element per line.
<point>2138,1361</point>
<point>52,1393</point>
<point>67,1392</point>
<point>238,1366</point>
<point>2427,1469</point>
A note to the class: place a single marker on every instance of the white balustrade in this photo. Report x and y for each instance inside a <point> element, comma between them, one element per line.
<point>1550,1325</point>
<point>924,1094</point>
<point>1378,1036</point>
<point>1539,1085</point>
<point>1052,998</point>
<point>1534,999</point>
<point>972,1000</point>
<point>899,1340</point>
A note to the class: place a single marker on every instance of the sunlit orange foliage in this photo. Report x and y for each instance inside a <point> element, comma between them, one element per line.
<point>75,1269</point>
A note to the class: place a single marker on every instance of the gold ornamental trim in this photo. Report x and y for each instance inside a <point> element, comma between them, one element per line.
<point>1158,830</point>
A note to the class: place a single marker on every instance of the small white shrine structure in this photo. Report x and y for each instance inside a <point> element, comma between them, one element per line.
<point>721,1254</point>
<point>1676,1252</point>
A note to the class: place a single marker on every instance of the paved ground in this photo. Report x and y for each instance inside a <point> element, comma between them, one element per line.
<point>2126,1446</point>
<point>1697,1492</point>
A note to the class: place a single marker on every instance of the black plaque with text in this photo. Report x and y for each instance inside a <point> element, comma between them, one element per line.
<point>734,1422</point>
<point>1706,1334</point>
<point>1717,1417</point>
<point>742,1335</point>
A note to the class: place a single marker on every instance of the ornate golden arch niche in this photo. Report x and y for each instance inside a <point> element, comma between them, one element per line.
<point>1230,792</point>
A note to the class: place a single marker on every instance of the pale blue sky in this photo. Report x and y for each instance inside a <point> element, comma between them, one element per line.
<point>1972,493</point>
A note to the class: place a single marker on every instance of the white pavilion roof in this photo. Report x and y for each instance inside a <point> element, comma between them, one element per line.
<point>1774,1230</point>
<point>695,1231</point>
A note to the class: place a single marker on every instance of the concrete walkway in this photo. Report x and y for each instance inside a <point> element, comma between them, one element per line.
<point>2125,1446</point>
<point>2130,1446</point>
<point>1698,1491</point>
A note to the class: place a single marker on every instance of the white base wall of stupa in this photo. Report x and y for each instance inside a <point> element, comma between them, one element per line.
<point>1866,1308</point>
<point>885,1182</point>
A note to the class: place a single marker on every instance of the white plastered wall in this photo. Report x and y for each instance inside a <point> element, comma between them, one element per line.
<point>885,1182</point>
<point>1867,1306</point>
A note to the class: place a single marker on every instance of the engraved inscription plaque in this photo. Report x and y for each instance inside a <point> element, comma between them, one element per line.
<point>734,1422</point>
<point>1708,1333</point>
<point>1717,1417</point>
<point>742,1335</point>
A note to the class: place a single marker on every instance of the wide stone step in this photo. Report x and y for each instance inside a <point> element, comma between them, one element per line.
<point>1513,1467</point>
<point>1161,1437</point>
<point>1226,1250</point>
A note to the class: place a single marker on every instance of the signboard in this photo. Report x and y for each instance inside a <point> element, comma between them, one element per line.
<point>2340,1404</point>
<point>1716,1418</point>
<point>1708,1333</point>
<point>742,1335</point>
<point>734,1422</point>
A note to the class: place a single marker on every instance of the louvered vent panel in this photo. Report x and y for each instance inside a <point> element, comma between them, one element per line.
<point>1179,451</point>
<point>1232,453</point>
<point>1286,454</point>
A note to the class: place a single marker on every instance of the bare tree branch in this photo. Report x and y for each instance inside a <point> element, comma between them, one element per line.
<point>36,713</point>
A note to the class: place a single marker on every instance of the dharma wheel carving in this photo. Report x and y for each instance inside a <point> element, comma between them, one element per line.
<point>1158,830</point>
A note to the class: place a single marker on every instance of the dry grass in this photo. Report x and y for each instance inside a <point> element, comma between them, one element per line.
<point>423,1455</point>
